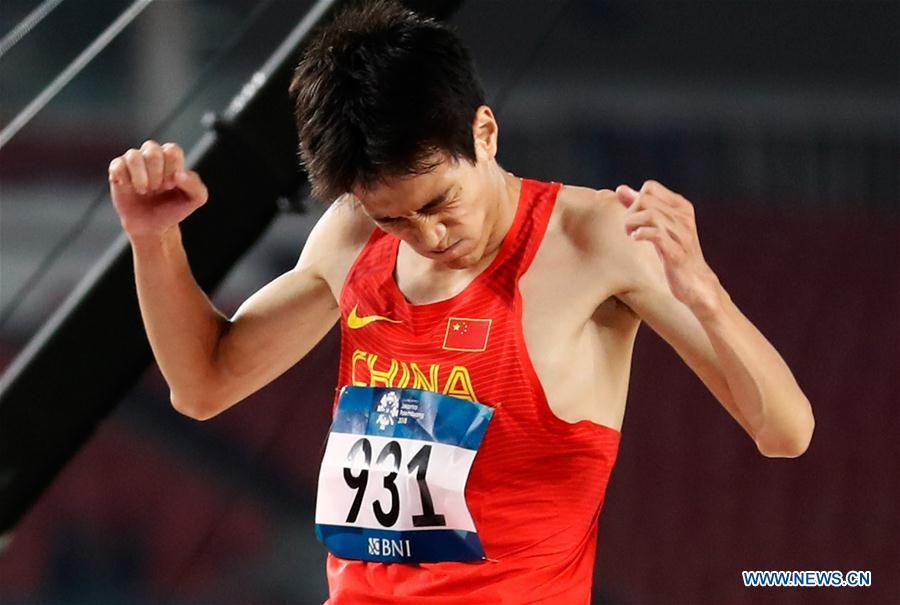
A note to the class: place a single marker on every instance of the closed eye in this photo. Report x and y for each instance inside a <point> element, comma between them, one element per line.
<point>428,209</point>
<point>432,207</point>
<point>439,205</point>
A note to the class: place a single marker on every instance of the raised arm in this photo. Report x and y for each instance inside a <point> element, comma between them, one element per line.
<point>209,362</point>
<point>664,278</point>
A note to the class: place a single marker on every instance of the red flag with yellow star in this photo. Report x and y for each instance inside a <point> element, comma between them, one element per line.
<point>466,334</point>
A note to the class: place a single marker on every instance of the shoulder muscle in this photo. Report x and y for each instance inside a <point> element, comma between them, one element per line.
<point>594,222</point>
<point>335,242</point>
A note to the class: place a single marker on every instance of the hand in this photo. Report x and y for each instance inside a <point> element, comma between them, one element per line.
<point>666,219</point>
<point>151,191</point>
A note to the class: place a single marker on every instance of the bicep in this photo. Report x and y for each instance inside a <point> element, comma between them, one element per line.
<point>278,325</point>
<point>273,330</point>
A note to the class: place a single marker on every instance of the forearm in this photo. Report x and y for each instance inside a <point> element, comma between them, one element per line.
<point>181,323</point>
<point>762,386</point>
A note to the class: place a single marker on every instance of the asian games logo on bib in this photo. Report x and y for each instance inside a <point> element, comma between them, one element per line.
<point>388,409</point>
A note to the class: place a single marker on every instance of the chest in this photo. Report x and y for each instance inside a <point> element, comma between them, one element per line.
<point>576,334</point>
<point>568,317</point>
<point>561,290</point>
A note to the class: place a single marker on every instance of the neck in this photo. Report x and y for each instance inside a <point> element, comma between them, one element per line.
<point>505,190</point>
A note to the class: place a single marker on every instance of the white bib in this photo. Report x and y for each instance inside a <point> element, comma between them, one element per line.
<point>392,481</point>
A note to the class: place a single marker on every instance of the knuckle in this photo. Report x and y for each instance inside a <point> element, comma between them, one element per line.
<point>153,158</point>
<point>132,155</point>
<point>152,151</point>
<point>149,144</point>
<point>173,150</point>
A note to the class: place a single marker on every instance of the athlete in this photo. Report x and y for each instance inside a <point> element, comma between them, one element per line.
<point>487,325</point>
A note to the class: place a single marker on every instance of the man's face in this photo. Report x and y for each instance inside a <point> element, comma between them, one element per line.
<point>443,215</point>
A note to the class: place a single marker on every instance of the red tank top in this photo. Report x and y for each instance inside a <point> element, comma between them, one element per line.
<point>537,483</point>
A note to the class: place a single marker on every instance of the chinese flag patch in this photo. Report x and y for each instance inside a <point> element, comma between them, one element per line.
<point>465,334</point>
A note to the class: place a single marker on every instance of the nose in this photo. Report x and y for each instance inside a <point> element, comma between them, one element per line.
<point>432,236</point>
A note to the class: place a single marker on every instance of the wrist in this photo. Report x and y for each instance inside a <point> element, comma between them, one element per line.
<point>154,240</point>
<point>710,302</point>
<point>151,237</point>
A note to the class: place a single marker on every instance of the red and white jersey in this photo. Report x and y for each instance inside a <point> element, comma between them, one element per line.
<point>537,483</point>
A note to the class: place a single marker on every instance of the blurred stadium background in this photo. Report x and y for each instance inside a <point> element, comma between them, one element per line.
<point>780,120</point>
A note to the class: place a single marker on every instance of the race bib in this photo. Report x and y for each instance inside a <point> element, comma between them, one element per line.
<point>392,482</point>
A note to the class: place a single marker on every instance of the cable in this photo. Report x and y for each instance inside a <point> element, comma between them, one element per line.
<point>81,224</point>
<point>26,25</point>
<point>73,69</point>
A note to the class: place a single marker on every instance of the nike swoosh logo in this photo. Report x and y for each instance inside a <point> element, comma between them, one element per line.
<point>355,322</point>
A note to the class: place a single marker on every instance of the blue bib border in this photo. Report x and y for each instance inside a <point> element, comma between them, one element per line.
<point>407,414</point>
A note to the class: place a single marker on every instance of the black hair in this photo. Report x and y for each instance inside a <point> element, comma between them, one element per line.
<point>382,91</point>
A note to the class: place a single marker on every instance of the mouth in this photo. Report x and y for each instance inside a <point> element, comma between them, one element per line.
<point>444,251</point>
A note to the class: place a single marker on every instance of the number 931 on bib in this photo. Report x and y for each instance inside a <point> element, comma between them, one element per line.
<point>393,478</point>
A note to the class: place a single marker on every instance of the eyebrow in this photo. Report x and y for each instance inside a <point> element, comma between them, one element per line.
<point>432,202</point>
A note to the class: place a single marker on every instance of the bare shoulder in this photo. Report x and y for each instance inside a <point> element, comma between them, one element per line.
<point>335,242</point>
<point>593,221</point>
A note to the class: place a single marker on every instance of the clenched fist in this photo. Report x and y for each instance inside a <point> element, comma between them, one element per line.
<point>151,190</point>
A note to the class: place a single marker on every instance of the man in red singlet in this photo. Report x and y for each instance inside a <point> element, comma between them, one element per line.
<point>487,325</point>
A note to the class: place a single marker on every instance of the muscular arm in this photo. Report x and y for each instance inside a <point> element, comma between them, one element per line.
<point>729,354</point>
<point>277,326</point>
<point>209,361</point>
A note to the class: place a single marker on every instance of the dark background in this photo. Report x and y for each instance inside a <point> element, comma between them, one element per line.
<point>779,120</point>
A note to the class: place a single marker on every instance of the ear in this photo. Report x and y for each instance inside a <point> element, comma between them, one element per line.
<point>485,132</point>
